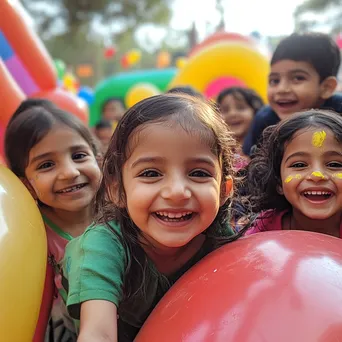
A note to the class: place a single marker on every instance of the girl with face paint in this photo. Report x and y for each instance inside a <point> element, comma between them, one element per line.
<point>296,178</point>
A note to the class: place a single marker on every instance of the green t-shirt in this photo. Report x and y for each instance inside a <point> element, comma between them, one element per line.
<point>94,267</point>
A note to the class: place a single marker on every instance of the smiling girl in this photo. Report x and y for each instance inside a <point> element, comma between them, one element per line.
<point>53,153</point>
<point>296,176</point>
<point>162,206</point>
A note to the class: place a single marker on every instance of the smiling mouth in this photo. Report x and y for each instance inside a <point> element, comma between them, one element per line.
<point>174,217</point>
<point>72,188</point>
<point>317,196</point>
<point>286,104</point>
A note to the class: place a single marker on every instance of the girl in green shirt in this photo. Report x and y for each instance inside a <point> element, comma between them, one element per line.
<point>162,205</point>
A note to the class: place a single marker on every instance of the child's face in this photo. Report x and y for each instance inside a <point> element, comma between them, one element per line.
<point>172,182</point>
<point>62,171</point>
<point>311,173</point>
<point>237,114</point>
<point>293,87</point>
<point>104,135</point>
<point>113,111</point>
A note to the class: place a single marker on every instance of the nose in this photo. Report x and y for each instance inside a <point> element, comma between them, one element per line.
<point>317,176</point>
<point>283,86</point>
<point>68,170</point>
<point>176,189</point>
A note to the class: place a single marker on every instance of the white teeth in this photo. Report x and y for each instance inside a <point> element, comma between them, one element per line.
<point>173,215</point>
<point>318,193</point>
<point>74,188</point>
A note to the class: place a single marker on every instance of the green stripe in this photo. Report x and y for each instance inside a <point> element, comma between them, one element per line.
<point>56,229</point>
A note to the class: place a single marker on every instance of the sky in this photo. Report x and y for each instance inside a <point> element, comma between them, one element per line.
<point>268,17</point>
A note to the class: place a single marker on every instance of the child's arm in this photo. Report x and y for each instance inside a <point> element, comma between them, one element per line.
<point>98,322</point>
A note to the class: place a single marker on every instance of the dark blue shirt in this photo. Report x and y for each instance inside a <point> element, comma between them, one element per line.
<point>266,116</point>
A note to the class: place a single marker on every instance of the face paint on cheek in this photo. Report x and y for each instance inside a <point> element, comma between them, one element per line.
<point>338,175</point>
<point>318,139</point>
<point>289,178</point>
<point>318,174</point>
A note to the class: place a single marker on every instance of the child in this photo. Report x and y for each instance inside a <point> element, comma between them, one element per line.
<point>238,107</point>
<point>303,76</point>
<point>296,175</point>
<point>167,178</point>
<point>53,154</point>
<point>104,132</point>
<point>112,111</point>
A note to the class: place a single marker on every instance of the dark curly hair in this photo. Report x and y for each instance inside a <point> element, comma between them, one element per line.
<point>264,169</point>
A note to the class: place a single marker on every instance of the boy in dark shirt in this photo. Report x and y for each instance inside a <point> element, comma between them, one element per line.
<point>303,76</point>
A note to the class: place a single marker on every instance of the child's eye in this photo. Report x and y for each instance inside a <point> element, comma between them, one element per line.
<point>334,164</point>
<point>298,165</point>
<point>79,155</point>
<point>45,165</point>
<point>299,78</point>
<point>273,81</point>
<point>149,173</point>
<point>199,173</point>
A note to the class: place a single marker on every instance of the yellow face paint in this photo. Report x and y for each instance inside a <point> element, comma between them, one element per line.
<point>338,175</point>
<point>289,178</point>
<point>318,138</point>
<point>318,174</point>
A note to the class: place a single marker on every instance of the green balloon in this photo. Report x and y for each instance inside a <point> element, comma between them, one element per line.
<point>60,68</point>
<point>117,86</point>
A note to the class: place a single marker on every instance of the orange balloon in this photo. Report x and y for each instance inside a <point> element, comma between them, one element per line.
<point>26,44</point>
<point>68,102</point>
<point>10,95</point>
<point>219,37</point>
<point>163,59</point>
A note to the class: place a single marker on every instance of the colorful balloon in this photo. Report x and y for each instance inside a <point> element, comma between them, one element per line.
<point>140,92</point>
<point>216,86</point>
<point>272,286</point>
<point>133,56</point>
<point>86,94</point>
<point>234,59</point>
<point>163,59</point>
<point>68,102</point>
<point>109,52</point>
<point>23,256</point>
<point>118,85</point>
<point>181,62</point>
<point>60,68</point>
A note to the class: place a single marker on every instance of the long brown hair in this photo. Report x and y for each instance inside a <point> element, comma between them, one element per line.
<point>195,116</point>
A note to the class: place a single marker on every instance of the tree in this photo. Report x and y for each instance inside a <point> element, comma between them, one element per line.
<point>309,15</point>
<point>67,17</point>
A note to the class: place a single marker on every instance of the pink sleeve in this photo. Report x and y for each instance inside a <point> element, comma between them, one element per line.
<point>46,305</point>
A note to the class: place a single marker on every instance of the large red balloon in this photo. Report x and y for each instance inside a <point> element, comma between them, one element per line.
<point>273,286</point>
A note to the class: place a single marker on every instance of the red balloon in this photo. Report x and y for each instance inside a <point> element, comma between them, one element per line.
<point>125,62</point>
<point>109,52</point>
<point>273,286</point>
<point>67,101</point>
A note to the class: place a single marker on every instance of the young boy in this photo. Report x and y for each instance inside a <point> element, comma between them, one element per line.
<point>303,76</point>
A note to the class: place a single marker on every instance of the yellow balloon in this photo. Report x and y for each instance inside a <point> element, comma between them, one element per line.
<point>23,255</point>
<point>180,62</point>
<point>133,56</point>
<point>230,59</point>
<point>140,92</point>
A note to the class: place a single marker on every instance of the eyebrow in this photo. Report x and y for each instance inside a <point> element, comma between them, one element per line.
<point>304,154</point>
<point>199,160</point>
<point>49,154</point>
<point>293,71</point>
<point>296,154</point>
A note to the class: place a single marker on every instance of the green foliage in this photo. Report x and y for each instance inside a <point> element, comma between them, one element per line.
<point>67,29</point>
<point>330,10</point>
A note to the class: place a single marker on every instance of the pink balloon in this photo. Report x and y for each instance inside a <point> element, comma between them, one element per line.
<point>272,286</point>
<point>216,86</point>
